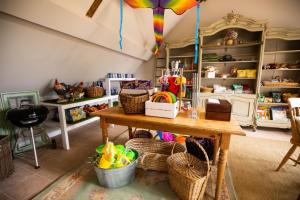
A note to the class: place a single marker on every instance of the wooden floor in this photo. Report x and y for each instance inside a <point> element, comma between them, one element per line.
<point>27,181</point>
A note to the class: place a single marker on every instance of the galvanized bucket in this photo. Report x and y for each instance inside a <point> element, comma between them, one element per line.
<point>116,177</point>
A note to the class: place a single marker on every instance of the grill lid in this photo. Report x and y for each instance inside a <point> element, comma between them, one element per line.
<point>27,116</point>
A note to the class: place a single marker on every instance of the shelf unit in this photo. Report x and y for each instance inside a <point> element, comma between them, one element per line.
<point>183,51</point>
<point>281,46</point>
<point>61,127</point>
<point>247,55</point>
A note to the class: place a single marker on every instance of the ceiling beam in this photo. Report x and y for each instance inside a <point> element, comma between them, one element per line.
<point>93,8</point>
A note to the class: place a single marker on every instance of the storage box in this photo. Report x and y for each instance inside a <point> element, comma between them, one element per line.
<point>210,74</point>
<point>217,109</point>
<point>166,110</point>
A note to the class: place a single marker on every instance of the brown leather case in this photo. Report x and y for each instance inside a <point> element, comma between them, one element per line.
<point>214,111</point>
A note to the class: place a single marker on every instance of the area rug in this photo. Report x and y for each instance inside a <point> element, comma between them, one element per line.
<point>82,183</point>
<point>252,164</point>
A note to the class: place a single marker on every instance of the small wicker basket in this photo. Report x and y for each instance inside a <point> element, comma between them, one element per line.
<point>188,175</point>
<point>154,153</point>
<point>133,103</point>
<point>94,91</point>
<point>6,162</point>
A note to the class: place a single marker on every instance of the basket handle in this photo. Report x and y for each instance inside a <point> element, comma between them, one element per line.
<point>205,154</point>
<point>142,161</point>
<point>172,152</point>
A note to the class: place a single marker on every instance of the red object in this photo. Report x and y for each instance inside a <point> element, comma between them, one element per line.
<point>172,87</point>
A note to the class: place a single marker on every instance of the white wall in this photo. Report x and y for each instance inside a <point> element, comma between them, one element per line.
<point>32,55</point>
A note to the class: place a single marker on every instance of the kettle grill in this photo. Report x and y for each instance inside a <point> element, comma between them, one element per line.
<point>28,116</point>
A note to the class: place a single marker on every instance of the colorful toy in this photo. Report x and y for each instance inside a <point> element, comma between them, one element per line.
<point>159,6</point>
<point>164,97</point>
<point>114,156</point>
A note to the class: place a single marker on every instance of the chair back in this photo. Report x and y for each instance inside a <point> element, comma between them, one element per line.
<point>294,109</point>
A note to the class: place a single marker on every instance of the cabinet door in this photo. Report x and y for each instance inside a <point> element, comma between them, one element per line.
<point>243,110</point>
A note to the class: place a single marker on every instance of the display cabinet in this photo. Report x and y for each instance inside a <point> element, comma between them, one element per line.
<point>230,55</point>
<point>279,78</point>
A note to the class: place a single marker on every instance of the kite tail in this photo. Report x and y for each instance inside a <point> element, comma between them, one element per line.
<point>121,25</point>
<point>197,34</point>
<point>158,20</point>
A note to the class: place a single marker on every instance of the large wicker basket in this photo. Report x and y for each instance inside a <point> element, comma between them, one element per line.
<point>133,103</point>
<point>154,153</point>
<point>188,175</point>
<point>6,162</point>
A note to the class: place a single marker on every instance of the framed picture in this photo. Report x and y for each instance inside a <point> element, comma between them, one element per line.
<point>10,100</point>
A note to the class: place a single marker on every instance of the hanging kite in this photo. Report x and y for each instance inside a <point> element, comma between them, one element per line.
<point>159,6</point>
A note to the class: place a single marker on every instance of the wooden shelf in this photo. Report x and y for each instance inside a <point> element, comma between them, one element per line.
<point>224,62</point>
<point>273,123</point>
<point>187,56</point>
<point>281,70</point>
<point>284,51</point>
<point>231,46</point>
<point>229,78</point>
<point>189,70</point>
<point>280,87</point>
<point>272,104</point>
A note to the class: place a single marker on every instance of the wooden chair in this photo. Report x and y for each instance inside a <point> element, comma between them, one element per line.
<point>294,109</point>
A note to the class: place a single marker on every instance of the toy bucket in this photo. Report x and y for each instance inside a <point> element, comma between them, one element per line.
<point>116,177</point>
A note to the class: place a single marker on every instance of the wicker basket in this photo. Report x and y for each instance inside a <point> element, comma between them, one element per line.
<point>188,175</point>
<point>94,91</point>
<point>280,84</point>
<point>154,153</point>
<point>6,162</point>
<point>133,103</point>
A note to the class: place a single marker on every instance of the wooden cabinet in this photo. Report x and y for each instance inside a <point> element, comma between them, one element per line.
<point>245,54</point>
<point>254,47</point>
<point>281,62</point>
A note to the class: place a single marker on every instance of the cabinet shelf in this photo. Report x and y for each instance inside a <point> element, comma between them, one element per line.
<point>229,78</point>
<point>280,87</point>
<point>224,62</point>
<point>187,56</point>
<point>283,51</point>
<point>231,46</point>
<point>281,70</point>
<point>190,70</point>
<point>272,104</point>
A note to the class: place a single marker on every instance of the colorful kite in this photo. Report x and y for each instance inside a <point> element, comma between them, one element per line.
<point>159,6</point>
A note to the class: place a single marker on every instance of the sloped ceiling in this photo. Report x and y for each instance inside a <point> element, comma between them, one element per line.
<point>278,13</point>
<point>68,16</point>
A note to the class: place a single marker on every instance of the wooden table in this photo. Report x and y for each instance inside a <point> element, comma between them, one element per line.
<point>182,124</point>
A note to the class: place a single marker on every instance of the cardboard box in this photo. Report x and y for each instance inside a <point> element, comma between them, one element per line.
<point>165,110</point>
<point>217,109</point>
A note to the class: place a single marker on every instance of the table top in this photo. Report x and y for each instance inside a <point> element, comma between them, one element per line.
<point>182,122</point>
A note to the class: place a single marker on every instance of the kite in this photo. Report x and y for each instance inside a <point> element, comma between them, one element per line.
<point>159,6</point>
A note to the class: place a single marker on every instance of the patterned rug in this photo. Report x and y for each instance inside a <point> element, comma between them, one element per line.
<point>82,183</point>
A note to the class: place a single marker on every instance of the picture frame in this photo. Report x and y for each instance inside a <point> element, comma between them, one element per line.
<point>11,100</point>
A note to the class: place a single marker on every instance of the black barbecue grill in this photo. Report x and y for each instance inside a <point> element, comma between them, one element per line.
<point>28,116</point>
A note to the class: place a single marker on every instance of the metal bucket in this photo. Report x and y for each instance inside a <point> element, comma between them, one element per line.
<point>116,177</point>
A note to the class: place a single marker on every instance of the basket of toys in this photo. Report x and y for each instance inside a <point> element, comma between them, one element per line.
<point>153,154</point>
<point>188,175</point>
<point>115,165</point>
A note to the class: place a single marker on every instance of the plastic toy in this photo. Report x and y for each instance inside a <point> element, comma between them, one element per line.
<point>114,156</point>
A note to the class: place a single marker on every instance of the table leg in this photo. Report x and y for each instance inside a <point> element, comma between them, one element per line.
<point>63,127</point>
<point>130,132</point>
<point>225,141</point>
<point>104,126</point>
<point>216,149</point>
